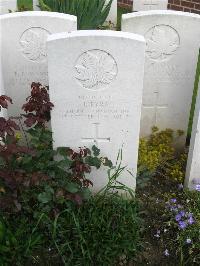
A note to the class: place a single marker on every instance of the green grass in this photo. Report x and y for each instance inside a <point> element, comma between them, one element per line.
<point>194,97</point>
<point>25,4</point>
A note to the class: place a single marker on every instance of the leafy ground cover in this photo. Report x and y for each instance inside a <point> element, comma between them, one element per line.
<point>171,215</point>
<point>48,215</point>
<point>24,5</point>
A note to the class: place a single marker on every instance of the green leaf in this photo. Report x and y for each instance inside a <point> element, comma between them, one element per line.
<point>86,193</point>
<point>93,161</point>
<point>108,162</point>
<point>95,150</point>
<point>45,197</point>
<point>72,187</point>
<point>65,163</point>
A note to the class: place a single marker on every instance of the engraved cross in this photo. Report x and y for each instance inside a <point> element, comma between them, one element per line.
<point>96,139</point>
<point>156,107</point>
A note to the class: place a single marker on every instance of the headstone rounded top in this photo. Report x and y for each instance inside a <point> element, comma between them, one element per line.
<point>39,14</point>
<point>96,33</point>
<point>159,13</point>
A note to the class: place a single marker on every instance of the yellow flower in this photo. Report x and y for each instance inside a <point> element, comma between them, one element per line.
<point>18,136</point>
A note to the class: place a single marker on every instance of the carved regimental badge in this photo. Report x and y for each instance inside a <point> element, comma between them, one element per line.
<point>95,69</point>
<point>33,44</point>
<point>162,42</point>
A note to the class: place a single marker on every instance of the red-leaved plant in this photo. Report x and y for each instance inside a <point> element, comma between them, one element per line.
<point>38,106</point>
<point>24,167</point>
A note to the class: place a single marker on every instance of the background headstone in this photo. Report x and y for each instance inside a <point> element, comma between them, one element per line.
<point>172,47</point>
<point>24,59</point>
<point>144,5</point>
<point>96,80</point>
<point>112,16</point>
<point>2,92</point>
<point>6,5</point>
<point>193,165</point>
<point>35,5</point>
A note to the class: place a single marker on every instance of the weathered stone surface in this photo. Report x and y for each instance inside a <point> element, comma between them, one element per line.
<point>193,164</point>
<point>23,43</point>
<point>172,47</point>
<point>96,81</point>
<point>112,16</point>
<point>6,5</point>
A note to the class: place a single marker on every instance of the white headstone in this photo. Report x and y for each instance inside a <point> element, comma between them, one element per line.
<point>3,111</point>
<point>144,5</point>
<point>112,16</point>
<point>35,5</point>
<point>8,5</point>
<point>96,80</point>
<point>24,50</point>
<point>193,165</point>
<point>172,47</point>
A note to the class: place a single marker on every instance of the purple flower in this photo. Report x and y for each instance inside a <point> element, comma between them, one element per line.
<point>182,224</point>
<point>173,200</point>
<point>188,241</point>
<point>178,217</point>
<point>197,187</point>
<point>166,252</point>
<point>191,220</point>
<point>182,213</point>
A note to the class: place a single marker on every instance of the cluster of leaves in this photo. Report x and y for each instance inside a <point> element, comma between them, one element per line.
<point>158,155</point>
<point>47,211</point>
<point>90,13</point>
<point>52,180</point>
<point>24,5</point>
<point>171,213</point>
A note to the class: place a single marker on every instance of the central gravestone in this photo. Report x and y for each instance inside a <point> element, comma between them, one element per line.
<point>172,48</point>
<point>96,81</point>
<point>24,56</point>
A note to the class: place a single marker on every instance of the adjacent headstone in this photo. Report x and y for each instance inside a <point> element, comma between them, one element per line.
<point>172,47</point>
<point>2,92</point>
<point>193,165</point>
<point>8,5</point>
<point>144,5</point>
<point>36,5</point>
<point>24,50</point>
<point>96,81</point>
<point>112,16</point>
<point>3,112</point>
